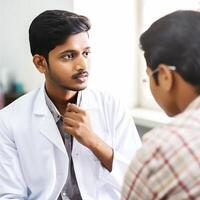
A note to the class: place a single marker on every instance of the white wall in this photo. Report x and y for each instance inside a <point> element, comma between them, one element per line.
<point>15,18</point>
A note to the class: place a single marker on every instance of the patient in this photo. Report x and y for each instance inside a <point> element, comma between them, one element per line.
<point>168,164</point>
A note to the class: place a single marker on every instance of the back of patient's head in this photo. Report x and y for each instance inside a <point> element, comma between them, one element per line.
<point>52,28</point>
<point>175,40</point>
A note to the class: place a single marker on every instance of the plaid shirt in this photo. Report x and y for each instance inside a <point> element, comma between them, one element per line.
<point>168,164</point>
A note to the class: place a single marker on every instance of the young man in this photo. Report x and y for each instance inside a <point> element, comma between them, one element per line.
<point>49,147</point>
<point>168,164</point>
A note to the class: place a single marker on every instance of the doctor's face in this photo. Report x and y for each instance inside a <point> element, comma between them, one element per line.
<point>68,64</point>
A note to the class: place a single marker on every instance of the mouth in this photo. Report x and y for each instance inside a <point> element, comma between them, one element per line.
<point>81,77</point>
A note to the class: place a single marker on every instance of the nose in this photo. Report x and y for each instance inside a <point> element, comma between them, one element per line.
<point>81,63</point>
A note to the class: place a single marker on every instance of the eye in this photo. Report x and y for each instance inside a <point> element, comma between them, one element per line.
<point>86,53</point>
<point>68,56</point>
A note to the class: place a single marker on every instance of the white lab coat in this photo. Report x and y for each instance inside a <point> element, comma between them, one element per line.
<point>33,158</point>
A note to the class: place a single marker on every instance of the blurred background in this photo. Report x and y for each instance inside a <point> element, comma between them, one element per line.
<point>118,65</point>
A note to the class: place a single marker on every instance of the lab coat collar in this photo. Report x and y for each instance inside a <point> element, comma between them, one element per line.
<point>87,100</point>
<point>46,122</point>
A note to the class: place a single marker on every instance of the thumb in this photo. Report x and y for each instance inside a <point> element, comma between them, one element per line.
<point>72,108</point>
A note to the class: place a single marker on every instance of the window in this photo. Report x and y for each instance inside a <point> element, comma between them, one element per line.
<point>150,12</point>
<point>118,63</point>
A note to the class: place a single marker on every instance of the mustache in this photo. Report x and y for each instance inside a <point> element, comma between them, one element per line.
<point>82,73</point>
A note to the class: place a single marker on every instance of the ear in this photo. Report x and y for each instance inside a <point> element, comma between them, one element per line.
<point>40,63</point>
<point>165,77</point>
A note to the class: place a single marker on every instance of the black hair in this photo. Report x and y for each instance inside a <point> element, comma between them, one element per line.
<point>52,28</point>
<point>175,40</point>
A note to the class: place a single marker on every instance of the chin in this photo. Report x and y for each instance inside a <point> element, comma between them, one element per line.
<point>82,87</point>
<point>172,113</point>
<point>79,88</point>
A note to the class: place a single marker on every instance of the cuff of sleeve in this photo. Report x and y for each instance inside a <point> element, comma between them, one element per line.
<point>116,176</point>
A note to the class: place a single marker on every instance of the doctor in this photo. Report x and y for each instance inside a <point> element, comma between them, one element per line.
<point>63,141</point>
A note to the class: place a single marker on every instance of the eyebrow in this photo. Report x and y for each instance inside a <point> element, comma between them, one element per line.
<point>73,51</point>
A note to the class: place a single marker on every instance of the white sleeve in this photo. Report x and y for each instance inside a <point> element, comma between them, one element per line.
<point>126,142</point>
<point>12,184</point>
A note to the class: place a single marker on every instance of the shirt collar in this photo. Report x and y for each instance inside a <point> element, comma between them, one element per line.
<point>56,114</point>
<point>54,111</point>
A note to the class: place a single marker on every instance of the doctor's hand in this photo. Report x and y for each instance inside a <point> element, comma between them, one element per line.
<point>77,124</point>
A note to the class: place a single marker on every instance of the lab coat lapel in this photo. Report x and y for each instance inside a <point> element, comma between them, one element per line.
<point>46,122</point>
<point>49,129</point>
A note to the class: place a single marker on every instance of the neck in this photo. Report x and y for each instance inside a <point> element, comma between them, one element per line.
<point>61,105</point>
<point>61,98</point>
<point>185,94</point>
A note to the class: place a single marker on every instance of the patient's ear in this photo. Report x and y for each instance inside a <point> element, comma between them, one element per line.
<point>40,63</point>
<point>166,78</point>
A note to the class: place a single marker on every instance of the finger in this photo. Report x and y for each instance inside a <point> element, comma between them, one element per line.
<point>69,122</point>
<point>69,130</point>
<point>74,108</point>
<point>71,115</point>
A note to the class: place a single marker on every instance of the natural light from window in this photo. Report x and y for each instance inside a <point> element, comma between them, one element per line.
<point>118,63</point>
